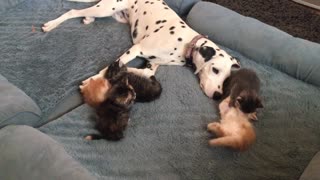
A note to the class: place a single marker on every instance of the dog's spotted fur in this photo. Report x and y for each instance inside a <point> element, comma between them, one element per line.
<point>160,36</point>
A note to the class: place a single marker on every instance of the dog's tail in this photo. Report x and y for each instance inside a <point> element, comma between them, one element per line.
<point>86,1</point>
<point>231,142</point>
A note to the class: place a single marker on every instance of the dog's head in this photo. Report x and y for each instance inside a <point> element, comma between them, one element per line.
<point>213,69</point>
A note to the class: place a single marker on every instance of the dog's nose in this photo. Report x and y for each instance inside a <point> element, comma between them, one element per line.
<point>216,95</point>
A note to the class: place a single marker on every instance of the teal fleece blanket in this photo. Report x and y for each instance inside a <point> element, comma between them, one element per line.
<point>167,138</point>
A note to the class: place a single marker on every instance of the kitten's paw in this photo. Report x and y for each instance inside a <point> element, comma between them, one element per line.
<point>253,116</point>
<point>88,138</point>
<point>213,126</point>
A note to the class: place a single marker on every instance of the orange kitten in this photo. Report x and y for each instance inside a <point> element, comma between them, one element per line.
<point>234,130</point>
<point>94,91</point>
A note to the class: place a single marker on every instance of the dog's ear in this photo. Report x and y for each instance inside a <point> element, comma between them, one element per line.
<point>207,52</point>
<point>235,64</point>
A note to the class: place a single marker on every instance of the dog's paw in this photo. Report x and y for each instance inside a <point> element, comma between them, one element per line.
<point>88,20</point>
<point>49,26</point>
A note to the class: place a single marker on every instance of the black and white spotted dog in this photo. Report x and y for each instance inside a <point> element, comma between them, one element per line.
<point>162,37</point>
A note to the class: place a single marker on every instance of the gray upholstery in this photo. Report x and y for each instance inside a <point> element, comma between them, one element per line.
<point>167,138</point>
<point>312,172</point>
<point>16,107</point>
<point>264,44</point>
<point>49,66</point>
<point>27,154</point>
<point>6,5</point>
<point>181,7</point>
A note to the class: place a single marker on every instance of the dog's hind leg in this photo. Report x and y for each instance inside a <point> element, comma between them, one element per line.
<point>104,8</point>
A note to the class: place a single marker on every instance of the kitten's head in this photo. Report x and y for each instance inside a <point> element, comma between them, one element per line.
<point>248,101</point>
<point>115,72</point>
<point>121,93</point>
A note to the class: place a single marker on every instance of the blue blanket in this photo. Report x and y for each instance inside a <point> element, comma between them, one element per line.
<point>167,138</point>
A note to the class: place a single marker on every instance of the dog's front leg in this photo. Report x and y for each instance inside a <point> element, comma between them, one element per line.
<point>104,8</point>
<point>149,71</point>
<point>128,56</point>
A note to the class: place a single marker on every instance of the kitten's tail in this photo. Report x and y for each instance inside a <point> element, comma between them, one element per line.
<point>231,142</point>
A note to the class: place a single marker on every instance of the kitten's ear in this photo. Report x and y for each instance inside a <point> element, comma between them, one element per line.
<point>239,100</point>
<point>259,103</point>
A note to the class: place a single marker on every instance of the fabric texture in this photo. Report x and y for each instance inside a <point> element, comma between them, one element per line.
<point>263,43</point>
<point>167,138</point>
<point>49,67</point>
<point>181,7</point>
<point>16,107</point>
<point>6,5</point>
<point>28,154</point>
<point>312,171</point>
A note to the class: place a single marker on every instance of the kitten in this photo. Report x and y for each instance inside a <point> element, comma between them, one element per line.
<point>110,95</point>
<point>94,92</point>
<point>234,130</point>
<point>143,81</point>
<point>243,87</point>
<point>113,113</point>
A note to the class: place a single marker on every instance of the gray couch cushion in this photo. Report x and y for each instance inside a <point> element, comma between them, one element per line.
<point>16,107</point>
<point>263,43</point>
<point>181,7</point>
<point>312,172</point>
<point>50,66</point>
<point>28,154</point>
<point>8,4</point>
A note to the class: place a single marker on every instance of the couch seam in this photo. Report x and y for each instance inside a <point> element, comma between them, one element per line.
<point>10,118</point>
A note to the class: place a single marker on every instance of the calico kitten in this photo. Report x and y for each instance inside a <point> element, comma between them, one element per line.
<point>243,87</point>
<point>234,130</point>
<point>113,113</point>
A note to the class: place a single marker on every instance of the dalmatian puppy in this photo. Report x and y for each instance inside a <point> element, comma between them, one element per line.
<point>162,37</point>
